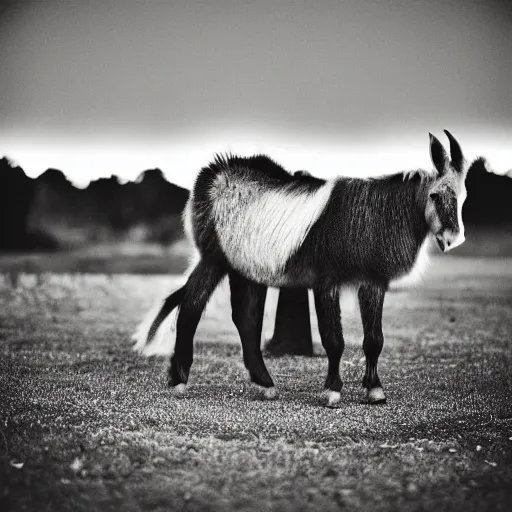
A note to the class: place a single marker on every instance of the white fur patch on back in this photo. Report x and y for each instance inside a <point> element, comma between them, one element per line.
<point>259,228</point>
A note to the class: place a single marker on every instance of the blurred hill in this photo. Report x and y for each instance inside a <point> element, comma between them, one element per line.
<point>49,213</point>
<point>16,198</point>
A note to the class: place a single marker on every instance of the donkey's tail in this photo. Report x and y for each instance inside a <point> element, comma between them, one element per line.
<point>156,334</point>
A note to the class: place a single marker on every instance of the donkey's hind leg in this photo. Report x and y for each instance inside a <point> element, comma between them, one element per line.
<point>247,307</point>
<point>327,305</point>
<point>200,285</point>
<point>371,302</point>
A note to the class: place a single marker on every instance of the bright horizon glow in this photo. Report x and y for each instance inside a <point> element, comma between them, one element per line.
<point>352,88</point>
<point>181,160</point>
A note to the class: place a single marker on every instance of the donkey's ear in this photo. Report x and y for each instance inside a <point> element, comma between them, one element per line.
<point>455,152</point>
<point>438,154</point>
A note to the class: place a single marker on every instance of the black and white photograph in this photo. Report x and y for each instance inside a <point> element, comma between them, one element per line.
<point>255,255</point>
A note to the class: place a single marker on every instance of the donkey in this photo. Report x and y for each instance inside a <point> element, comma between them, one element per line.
<point>270,228</point>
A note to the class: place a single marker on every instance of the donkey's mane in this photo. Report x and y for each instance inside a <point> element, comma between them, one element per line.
<point>423,174</point>
<point>261,162</point>
<point>408,175</point>
<point>403,186</point>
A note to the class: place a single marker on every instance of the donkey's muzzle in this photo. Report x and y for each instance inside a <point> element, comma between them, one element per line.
<point>449,240</point>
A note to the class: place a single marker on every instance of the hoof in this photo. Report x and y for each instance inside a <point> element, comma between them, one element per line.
<point>333,398</point>
<point>269,393</point>
<point>263,392</point>
<point>376,396</point>
<point>179,390</point>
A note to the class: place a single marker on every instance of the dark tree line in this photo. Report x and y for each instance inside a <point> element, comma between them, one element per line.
<point>49,211</point>
<point>16,197</point>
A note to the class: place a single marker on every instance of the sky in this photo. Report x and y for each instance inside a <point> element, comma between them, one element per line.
<point>105,87</point>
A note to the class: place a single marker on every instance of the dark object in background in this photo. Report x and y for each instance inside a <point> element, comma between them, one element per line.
<point>292,331</point>
<point>50,213</point>
<point>16,194</point>
<point>489,197</point>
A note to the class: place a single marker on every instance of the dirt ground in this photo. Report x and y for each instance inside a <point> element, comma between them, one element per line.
<point>86,424</point>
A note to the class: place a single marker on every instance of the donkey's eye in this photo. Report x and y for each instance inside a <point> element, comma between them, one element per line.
<point>434,196</point>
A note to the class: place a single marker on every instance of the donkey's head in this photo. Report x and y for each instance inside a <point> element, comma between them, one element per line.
<point>446,194</point>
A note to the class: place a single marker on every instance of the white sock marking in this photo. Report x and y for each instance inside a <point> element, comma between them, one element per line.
<point>269,393</point>
<point>179,389</point>
<point>333,397</point>
<point>376,395</point>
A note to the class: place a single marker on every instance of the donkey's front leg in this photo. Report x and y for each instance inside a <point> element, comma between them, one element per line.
<point>327,304</point>
<point>371,302</point>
